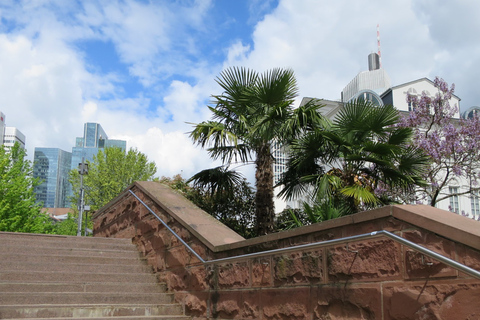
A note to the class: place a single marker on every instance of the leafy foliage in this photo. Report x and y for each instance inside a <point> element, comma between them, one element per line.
<point>318,212</point>
<point>18,210</point>
<point>111,171</point>
<point>232,204</point>
<point>344,163</point>
<point>452,144</point>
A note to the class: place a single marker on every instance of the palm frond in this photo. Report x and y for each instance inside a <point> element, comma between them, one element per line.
<point>217,180</point>
<point>360,194</point>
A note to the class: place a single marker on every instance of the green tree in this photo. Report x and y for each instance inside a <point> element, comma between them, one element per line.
<point>351,162</point>
<point>18,210</point>
<point>111,171</point>
<point>254,111</point>
<point>66,227</point>
<point>233,204</point>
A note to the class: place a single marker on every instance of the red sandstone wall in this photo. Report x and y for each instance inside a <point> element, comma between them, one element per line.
<point>371,279</point>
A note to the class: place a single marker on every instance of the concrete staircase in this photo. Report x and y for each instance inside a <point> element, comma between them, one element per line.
<point>61,277</point>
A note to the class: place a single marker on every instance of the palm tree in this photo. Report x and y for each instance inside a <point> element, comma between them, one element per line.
<point>346,162</point>
<point>253,111</point>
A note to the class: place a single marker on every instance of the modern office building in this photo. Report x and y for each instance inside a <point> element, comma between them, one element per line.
<point>471,112</point>
<point>52,167</point>
<point>94,138</point>
<point>368,85</point>
<point>10,135</point>
<point>374,85</point>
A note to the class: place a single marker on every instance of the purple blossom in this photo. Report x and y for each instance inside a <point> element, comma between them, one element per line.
<point>452,144</point>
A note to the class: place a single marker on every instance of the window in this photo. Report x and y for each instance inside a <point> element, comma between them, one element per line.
<point>475,203</point>
<point>454,206</point>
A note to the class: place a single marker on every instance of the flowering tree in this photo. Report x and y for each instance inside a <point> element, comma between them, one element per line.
<point>453,144</point>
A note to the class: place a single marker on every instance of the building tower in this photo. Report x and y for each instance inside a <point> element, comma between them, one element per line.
<point>94,138</point>
<point>52,167</point>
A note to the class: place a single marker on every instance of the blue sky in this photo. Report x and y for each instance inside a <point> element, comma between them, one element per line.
<point>145,69</point>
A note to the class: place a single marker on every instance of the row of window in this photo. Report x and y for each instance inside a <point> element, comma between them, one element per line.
<point>474,202</point>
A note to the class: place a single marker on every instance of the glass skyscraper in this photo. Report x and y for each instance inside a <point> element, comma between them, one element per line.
<point>52,166</point>
<point>94,138</point>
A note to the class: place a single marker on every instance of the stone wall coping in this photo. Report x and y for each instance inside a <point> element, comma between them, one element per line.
<point>203,226</point>
<point>444,223</point>
<point>218,237</point>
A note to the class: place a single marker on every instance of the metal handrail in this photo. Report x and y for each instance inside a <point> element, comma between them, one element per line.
<point>169,229</point>
<point>432,254</point>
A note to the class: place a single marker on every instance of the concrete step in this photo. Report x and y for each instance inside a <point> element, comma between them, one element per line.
<point>74,277</point>
<point>69,259</point>
<point>15,248</point>
<point>53,298</point>
<point>61,277</point>
<point>94,311</point>
<point>54,266</point>
<point>121,318</point>
<point>107,287</point>
<point>55,241</point>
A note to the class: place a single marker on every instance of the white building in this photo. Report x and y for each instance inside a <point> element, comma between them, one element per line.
<point>368,84</point>
<point>12,135</point>
<point>397,95</point>
<point>374,85</point>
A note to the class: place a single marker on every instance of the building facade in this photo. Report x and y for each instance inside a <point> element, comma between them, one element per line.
<point>52,167</point>
<point>94,139</point>
<point>374,85</point>
<point>13,135</point>
<point>10,135</point>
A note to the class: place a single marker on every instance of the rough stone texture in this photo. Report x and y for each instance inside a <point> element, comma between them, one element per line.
<point>298,268</point>
<point>235,305</point>
<point>348,302</point>
<point>262,273</point>
<point>376,278</point>
<point>441,300</point>
<point>368,260</point>
<point>233,275</point>
<point>291,304</point>
<point>419,266</point>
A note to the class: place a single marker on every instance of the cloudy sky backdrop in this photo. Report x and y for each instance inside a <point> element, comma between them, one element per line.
<point>145,69</point>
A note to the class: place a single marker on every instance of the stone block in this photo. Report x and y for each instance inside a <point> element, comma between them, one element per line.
<point>233,275</point>
<point>283,303</point>
<point>360,302</point>
<point>262,272</point>
<point>298,268</point>
<point>195,303</point>
<point>432,300</point>
<point>190,279</point>
<point>235,305</point>
<point>374,260</point>
<point>179,256</point>
<point>468,256</point>
<point>417,265</point>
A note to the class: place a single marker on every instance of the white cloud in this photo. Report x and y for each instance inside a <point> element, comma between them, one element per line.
<point>49,90</point>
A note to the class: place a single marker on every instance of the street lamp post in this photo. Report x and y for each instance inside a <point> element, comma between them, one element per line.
<point>82,170</point>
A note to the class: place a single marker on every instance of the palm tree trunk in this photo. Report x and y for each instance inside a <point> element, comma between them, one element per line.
<point>265,211</point>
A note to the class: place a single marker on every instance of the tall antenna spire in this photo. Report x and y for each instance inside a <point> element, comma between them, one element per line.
<point>378,45</point>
